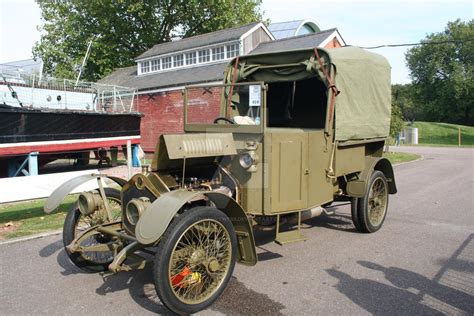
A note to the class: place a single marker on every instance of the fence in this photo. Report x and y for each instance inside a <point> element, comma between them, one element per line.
<point>17,89</point>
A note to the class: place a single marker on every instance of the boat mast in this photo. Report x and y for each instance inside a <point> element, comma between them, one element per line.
<point>86,56</point>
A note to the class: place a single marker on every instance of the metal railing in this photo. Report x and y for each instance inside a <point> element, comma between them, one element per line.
<point>31,90</point>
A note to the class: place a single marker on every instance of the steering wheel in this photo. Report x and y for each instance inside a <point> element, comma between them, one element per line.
<point>221,118</point>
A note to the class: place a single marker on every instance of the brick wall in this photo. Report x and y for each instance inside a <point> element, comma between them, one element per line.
<point>334,43</point>
<point>164,112</point>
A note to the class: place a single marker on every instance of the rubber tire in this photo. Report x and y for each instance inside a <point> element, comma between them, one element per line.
<point>69,234</point>
<point>359,208</point>
<point>165,247</point>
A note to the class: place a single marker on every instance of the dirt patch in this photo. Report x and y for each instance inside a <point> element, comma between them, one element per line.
<point>7,228</point>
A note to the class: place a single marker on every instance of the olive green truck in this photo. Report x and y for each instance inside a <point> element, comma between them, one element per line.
<point>290,132</point>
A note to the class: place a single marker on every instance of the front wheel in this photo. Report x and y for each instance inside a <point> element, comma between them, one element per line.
<point>76,223</point>
<point>368,213</point>
<point>195,259</point>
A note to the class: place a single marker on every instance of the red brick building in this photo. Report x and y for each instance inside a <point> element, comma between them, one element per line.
<point>161,73</point>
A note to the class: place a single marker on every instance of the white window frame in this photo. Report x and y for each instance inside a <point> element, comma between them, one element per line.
<point>166,62</point>
<point>177,58</point>
<point>155,65</point>
<point>145,67</point>
<point>233,52</point>
<point>205,58</point>
<point>193,58</point>
<point>218,51</point>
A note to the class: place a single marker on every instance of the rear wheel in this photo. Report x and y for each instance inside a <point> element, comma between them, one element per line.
<point>76,223</point>
<point>195,259</point>
<point>368,213</point>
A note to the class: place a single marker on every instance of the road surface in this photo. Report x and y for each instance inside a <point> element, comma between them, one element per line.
<point>420,262</point>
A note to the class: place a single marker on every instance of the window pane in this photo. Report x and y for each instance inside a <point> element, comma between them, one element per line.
<point>178,61</point>
<point>191,58</point>
<point>232,50</point>
<point>145,66</point>
<point>166,62</point>
<point>203,104</point>
<point>204,56</point>
<point>218,53</point>
<point>155,65</point>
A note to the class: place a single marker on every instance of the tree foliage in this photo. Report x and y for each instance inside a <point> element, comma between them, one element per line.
<point>403,97</point>
<point>397,121</point>
<point>120,30</point>
<point>443,75</point>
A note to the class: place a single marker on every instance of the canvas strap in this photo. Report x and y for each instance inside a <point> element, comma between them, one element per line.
<point>231,91</point>
<point>331,86</point>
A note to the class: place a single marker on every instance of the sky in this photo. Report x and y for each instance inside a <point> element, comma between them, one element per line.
<point>361,23</point>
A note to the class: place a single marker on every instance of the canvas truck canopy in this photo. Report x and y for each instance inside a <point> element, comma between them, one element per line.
<point>362,108</point>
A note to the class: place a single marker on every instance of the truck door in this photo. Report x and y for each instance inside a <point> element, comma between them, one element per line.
<point>288,171</point>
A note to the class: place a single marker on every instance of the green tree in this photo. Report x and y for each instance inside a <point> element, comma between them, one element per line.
<point>397,121</point>
<point>403,97</point>
<point>443,74</point>
<point>120,30</point>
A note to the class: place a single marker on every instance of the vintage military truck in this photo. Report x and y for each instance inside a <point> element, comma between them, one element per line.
<point>284,134</point>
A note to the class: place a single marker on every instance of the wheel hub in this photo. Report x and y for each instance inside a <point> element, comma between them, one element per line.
<point>213,265</point>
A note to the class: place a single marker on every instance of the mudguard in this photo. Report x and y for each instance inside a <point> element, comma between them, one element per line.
<point>64,189</point>
<point>156,218</point>
<point>358,187</point>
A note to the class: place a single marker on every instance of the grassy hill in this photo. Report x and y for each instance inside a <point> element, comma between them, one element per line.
<point>444,133</point>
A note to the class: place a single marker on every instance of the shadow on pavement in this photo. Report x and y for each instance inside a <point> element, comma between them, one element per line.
<point>378,298</point>
<point>338,222</point>
<point>450,292</point>
<point>237,299</point>
<point>51,249</point>
<point>139,284</point>
<point>406,279</point>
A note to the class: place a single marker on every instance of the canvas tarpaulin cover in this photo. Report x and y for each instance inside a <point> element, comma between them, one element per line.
<point>362,109</point>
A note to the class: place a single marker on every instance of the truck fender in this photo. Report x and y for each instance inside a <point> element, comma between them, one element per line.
<point>64,189</point>
<point>358,187</point>
<point>157,217</point>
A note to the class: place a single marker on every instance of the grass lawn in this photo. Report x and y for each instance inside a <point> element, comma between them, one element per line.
<point>444,134</point>
<point>27,218</point>
<point>396,157</point>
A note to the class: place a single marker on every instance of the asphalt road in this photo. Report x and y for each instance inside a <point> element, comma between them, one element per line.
<point>420,262</point>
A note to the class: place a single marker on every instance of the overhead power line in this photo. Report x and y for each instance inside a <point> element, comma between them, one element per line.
<point>421,43</point>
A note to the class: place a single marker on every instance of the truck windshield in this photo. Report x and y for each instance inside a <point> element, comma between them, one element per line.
<point>211,104</point>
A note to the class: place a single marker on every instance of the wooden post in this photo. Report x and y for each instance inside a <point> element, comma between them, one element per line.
<point>459,136</point>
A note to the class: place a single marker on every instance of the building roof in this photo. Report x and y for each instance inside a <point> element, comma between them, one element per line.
<point>298,42</point>
<point>211,72</point>
<point>178,77</point>
<point>198,41</point>
<point>293,28</point>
